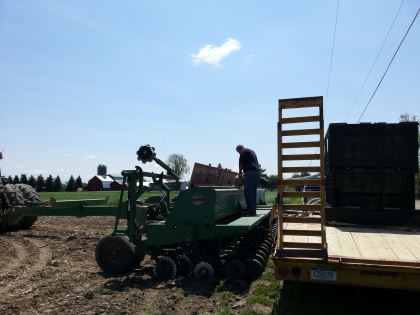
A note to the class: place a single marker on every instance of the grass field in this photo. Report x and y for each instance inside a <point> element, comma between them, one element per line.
<point>115,195</point>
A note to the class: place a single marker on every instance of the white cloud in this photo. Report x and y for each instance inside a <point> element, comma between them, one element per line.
<point>213,55</point>
<point>21,166</point>
<point>90,156</point>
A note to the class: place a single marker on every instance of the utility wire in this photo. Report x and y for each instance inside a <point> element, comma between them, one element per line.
<point>331,60</point>
<point>374,62</point>
<point>332,50</point>
<point>392,59</point>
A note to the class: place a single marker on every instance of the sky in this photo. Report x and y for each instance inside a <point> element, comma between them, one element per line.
<point>84,83</point>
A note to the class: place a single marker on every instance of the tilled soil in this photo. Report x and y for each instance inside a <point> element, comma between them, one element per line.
<point>51,269</point>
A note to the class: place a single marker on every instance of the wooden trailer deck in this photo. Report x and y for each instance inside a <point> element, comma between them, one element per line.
<point>365,243</point>
<point>356,256</point>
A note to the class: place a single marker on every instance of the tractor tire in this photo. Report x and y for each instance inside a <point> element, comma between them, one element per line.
<point>204,271</point>
<point>29,194</point>
<point>14,198</point>
<point>114,254</point>
<point>164,268</point>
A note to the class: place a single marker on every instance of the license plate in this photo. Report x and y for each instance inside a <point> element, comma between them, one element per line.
<point>323,274</point>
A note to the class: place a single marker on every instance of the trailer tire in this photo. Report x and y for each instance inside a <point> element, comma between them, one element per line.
<point>29,194</point>
<point>114,254</point>
<point>164,268</point>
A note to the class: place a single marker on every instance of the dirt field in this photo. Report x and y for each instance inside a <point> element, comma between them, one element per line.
<point>51,269</point>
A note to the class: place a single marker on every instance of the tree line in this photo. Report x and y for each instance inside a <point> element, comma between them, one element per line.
<point>49,184</point>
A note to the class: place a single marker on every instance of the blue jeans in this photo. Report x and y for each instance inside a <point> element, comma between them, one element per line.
<point>252,179</point>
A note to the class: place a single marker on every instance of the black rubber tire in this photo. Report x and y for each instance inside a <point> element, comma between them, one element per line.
<point>164,268</point>
<point>235,269</point>
<point>266,249</point>
<point>204,271</point>
<point>15,198</point>
<point>263,254</point>
<point>29,194</point>
<point>259,257</point>
<point>184,265</point>
<point>114,254</point>
<point>254,269</point>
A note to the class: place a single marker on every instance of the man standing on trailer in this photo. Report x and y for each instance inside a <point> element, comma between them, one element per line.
<point>249,166</point>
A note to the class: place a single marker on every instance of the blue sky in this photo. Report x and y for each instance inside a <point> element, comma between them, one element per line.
<point>88,82</point>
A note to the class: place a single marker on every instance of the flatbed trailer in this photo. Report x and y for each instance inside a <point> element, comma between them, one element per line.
<point>371,257</point>
<point>310,250</point>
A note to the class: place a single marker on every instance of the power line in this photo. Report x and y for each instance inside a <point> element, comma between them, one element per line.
<point>332,49</point>
<point>392,59</point>
<point>331,60</point>
<point>374,62</point>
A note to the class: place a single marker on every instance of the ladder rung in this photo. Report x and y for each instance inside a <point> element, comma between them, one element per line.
<point>300,132</point>
<point>307,253</point>
<point>301,102</point>
<point>313,220</point>
<point>302,245</point>
<point>297,169</point>
<point>302,207</point>
<point>293,120</point>
<point>302,194</point>
<point>300,182</point>
<point>302,232</point>
<point>297,157</point>
<point>307,144</point>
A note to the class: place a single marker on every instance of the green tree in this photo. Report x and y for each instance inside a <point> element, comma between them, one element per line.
<point>78,183</point>
<point>49,183</point>
<point>16,180</point>
<point>57,184</point>
<point>23,179</point>
<point>71,184</point>
<point>40,183</point>
<point>10,179</point>
<point>32,181</point>
<point>178,163</point>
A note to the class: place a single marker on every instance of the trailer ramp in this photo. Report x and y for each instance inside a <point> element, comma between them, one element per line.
<point>307,237</point>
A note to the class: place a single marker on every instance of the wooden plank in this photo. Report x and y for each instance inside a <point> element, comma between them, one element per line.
<point>294,120</point>
<point>300,182</point>
<point>301,207</point>
<point>347,244</point>
<point>398,247</point>
<point>334,247</point>
<point>300,132</point>
<point>302,245</point>
<point>297,169</point>
<point>382,248</point>
<point>305,144</point>
<point>300,157</point>
<point>301,102</point>
<point>312,220</point>
<point>365,246</point>
<point>302,232</point>
<point>301,194</point>
<point>413,245</point>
